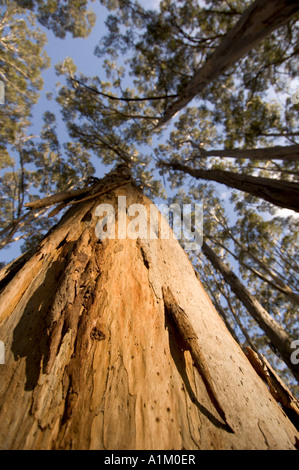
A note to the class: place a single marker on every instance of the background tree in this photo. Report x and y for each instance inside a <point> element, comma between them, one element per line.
<point>62,16</point>
<point>43,169</point>
<point>22,61</point>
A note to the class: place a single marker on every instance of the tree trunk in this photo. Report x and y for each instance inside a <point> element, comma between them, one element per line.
<point>276,282</point>
<point>258,21</point>
<point>278,192</point>
<point>276,334</point>
<point>94,359</point>
<point>288,153</point>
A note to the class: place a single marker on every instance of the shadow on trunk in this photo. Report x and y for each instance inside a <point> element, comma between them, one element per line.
<point>30,339</point>
<point>177,349</point>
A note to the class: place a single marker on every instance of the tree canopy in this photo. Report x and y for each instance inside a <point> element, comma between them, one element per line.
<point>239,133</point>
<point>62,16</point>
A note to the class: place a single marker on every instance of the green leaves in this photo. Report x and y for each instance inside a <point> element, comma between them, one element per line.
<point>62,16</point>
<point>22,60</point>
<point>42,167</point>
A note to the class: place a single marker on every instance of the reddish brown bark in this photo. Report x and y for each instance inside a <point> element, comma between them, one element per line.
<point>93,362</point>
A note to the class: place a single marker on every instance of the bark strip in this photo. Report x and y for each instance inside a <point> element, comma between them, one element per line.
<point>56,198</point>
<point>277,388</point>
<point>190,341</point>
<point>288,153</point>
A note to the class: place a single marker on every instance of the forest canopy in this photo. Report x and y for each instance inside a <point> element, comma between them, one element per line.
<point>199,99</point>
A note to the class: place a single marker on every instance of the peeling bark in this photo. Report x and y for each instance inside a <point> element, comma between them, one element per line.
<point>277,388</point>
<point>93,363</point>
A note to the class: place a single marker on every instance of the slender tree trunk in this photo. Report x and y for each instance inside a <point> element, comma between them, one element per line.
<point>258,21</point>
<point>280,193</point>
<point>276,334</point>
<point>222,313</point>
<point>276,282</point>
<point>7,233</point>
<point>98,358</point>
<point>288,153</point>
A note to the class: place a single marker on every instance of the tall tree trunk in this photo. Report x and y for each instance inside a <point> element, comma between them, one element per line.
<point>276,282</point>
<point>258,21</point>
<point>278,192</point>
<point>276,334</point>
<point>100,340</point>
<point>287,153</point>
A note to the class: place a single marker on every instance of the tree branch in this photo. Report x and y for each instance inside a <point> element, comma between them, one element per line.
<point>279,192</point>
<point>259,20</point>
<point>288,153</point>
<point>117,98</point>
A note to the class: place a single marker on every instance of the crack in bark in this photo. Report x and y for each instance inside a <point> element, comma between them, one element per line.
<point>144,256</point>
<point>259,423</point>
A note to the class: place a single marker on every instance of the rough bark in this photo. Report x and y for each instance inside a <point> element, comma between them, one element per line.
<point>278,192</point>
<point>277,388</point>
<point>258,21</point>
<point>93,361</point>
<point>276,334</point>
<point>190,341</point>
<point>288,153</point>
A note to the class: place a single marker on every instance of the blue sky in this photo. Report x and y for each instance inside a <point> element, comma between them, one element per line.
<point>82,53</point>
<point>81,50</point>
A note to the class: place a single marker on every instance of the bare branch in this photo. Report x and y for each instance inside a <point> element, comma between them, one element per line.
<point>117,98</point>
